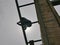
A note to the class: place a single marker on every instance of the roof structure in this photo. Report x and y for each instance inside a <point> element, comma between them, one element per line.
<point>49,22</point>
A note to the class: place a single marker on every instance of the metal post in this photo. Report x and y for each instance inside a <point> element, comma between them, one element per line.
<point>21,23</point>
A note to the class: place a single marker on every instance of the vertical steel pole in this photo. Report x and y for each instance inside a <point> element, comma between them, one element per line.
<point>21,23</point>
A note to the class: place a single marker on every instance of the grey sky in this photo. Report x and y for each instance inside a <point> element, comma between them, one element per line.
<point>10,32</point>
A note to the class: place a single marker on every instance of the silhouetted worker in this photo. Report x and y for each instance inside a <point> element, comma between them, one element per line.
<point>25,23</point>
<point>31,42</point>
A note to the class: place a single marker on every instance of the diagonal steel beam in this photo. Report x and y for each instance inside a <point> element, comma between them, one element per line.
<point>21,22</point>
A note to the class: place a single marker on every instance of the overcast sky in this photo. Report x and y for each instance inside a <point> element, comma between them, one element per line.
<point>10,32</point>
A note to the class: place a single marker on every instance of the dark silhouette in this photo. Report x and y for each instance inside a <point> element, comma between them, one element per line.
<point>25,23</point>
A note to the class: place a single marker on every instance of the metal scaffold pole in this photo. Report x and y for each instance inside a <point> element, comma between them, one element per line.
<point>21,22</point>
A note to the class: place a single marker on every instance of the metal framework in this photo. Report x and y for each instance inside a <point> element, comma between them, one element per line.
<point>31,42</point>
<point>20,17</point>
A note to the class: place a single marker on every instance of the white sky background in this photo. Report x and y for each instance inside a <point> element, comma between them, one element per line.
<point>10,32</point>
